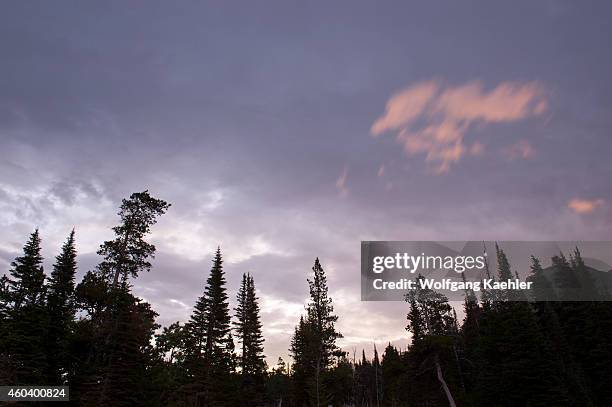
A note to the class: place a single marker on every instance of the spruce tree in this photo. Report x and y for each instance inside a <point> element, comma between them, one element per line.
<point>505,273</point>
<point>542,287</point>
<point>27,318</point>
<point>321,320</point>
<point>516,362</point>
<point>302,364</point>
<point>429,313</point>
<point>248,329</point>
<point>587,288</point>
<point>210,345</point>
<point>26,285</point>
<point>392,371</point>
<point>565,278</point>
<point>61,309</point>
<point>313,345</point>
<point>416,324</point>
<point>5,370</point>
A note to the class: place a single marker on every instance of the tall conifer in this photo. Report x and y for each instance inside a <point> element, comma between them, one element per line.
<point>27,317</point>
<point>61,308</point>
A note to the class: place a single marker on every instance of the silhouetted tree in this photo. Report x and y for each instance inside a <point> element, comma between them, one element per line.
<point>314,342</point>
<point>27,322</point>
<point>128,254</point>
<point>210,357</point>
<point>61,308</point>
<point>248,330</point>
<point>120,326</point>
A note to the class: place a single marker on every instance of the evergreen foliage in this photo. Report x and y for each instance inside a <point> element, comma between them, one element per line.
<point>248,329</point>
<point>313,345</point>
<point>210,358</point>
<point>128,254</point>
<point>27,321</point>
<point>61,308</point>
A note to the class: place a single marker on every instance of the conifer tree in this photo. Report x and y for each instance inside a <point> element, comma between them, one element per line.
<point>210,353</point>
<point>429,313</point>
<point>26,285</point>
<point>321,320</point>
<point>378,385</point>
<point>5,370</point>
<point>61,309</point>
<point>392,371</point>
<point>504,273</point>
<point>313,345</point>
<point>587,289</point>
<point>302,364</point>
<point>565,278</point>
<point>128,254</point>
<point>415,321</point>
<point>248,329</point>
<point>542,287</point>
<point>106,293</point>
<point>27,318</point>
<point>4,303</point>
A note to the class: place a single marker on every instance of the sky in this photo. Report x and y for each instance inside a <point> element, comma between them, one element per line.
<point>285,131</point>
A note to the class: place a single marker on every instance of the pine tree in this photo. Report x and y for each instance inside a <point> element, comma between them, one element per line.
<point>210,345</point>
<point>378,385</point>
<point>565,278</point>
<point>5,371</point>
<point>27,318</point>
<point>429,313</point>
<point>433,324</point>
<point>301,353</point>
<point>129,253</point>
<point>321,319</point>
<point>542,287</point>
<point>416,324</point>
<point>392,371</point>
<point>278,384</point>
<point>587,289</point>
<point>4,304</point>
<point>61,309</point>
<point>516,361</point>
<point>248,329</point>
<point>505,273</point>
<point>106,294</point>
<point>26,285</point>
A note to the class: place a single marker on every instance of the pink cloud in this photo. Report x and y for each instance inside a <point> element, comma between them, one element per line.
<point>341,182</point>
<point>381,171</point>
<point>477,149</point>
<point>520,149</point>
<point>429,118</point>
<point>405,106</point>
<point>583,206</point>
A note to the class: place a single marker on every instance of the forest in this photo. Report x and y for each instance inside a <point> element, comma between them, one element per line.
<point>102,341</point>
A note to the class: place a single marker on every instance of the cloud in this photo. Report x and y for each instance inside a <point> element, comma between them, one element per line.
<point>405,106</point>
<point>433,119</point>
<point>583,206</point>
<point>341,182</point>
<point>477,149</point>
<point>520,149</point>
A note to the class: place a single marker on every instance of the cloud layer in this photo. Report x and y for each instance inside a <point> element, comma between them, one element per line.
<point>433,119</point>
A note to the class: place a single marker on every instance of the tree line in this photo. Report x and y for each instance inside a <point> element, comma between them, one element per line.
<point>100,339</point>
